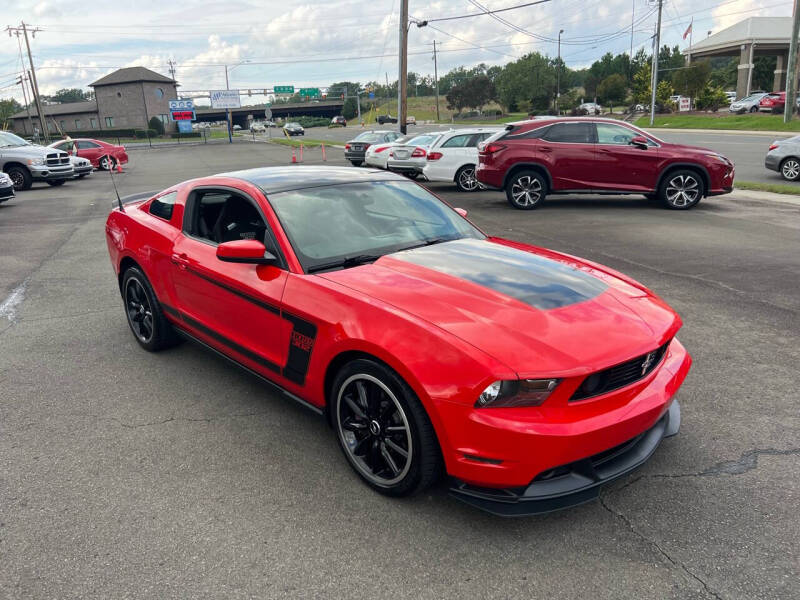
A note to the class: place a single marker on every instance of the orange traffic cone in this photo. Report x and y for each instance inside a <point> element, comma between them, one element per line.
<point>119,167</point>
<point>324,159</point>
<point>294,156</point>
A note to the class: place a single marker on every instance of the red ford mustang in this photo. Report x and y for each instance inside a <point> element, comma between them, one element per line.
<point>528,376</point>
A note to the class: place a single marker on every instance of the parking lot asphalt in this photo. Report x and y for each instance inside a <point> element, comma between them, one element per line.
<point>125,474</point>
<point>746,150</point>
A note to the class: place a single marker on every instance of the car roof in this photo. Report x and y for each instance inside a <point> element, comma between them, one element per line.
<point>282,179</point>
<point>470,130</point>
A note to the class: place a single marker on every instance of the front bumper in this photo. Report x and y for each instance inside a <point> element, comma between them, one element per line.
<point>44,173</point>
<point>6,192</point>
<point>83,170</point>
<point>575,483</point>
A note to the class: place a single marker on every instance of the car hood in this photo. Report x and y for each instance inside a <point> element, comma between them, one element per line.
<point>539,312</point>
<point>31,151</point>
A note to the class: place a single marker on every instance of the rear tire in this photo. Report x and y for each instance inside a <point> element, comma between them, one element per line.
<point>525,190</point>
<point>790,169</point>
<point>466,180</point>
<point>357,163</point>
<point>753,109</point>
<point>107,163</point>
<point>20,177</point>
<point>681,189</point>
<point>383,429</point>
<point>144,313</point>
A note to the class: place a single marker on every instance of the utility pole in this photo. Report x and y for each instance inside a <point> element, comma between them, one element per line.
<point>436,79</point>
<point>21,81</point>
<point>633,14</point>
<point>34,85</point>
<point>228,110</point>
<point>171,64</point>
<point>791,67</point>
<point>656,48</point>
<point>558,70</point>
<point>402,81</point>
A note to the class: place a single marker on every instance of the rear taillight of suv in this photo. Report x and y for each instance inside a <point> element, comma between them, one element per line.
<point>490,148</point>
<point>418,153</point>
<point>434,155</point>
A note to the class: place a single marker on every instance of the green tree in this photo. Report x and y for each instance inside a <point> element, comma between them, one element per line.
<point>711,98</point>
<point>613,89</point>
<point>691,80</point>
<point>8,107</point>
<point>350,109</point>
<point>69,95</point>
<point>156,124</point>
<point>641,84</point>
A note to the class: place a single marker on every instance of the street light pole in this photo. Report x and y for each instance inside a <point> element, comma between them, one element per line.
<point>228,110</point>
<point>558,70</point>
<point>654,80</point>
<point>402,80</point>
<point>436,79</point>
<point>791,67</point>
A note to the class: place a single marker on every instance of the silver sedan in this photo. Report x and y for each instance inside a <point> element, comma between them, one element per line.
<point>784,157</point>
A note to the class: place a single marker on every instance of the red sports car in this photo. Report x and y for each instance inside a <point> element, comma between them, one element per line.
<point>528,376</point>
<point>101,154</point>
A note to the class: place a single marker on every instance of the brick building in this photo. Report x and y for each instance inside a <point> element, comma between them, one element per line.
<point>125,99</point>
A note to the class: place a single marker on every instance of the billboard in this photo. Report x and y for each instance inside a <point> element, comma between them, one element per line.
<point>225,99</point>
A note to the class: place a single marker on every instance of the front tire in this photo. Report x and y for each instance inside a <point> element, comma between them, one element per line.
<point>145,317</point>
<point>681,189</point>
<point>753,109</point>
<point>107,163</point>
<point>20,177</point>
<point>525,190</point>
<point>790,169</point>
<point>466,180</point>
<point>383,429</point>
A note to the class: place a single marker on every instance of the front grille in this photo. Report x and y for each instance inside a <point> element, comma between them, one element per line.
<point>58,159</point>
<point>620,375</point>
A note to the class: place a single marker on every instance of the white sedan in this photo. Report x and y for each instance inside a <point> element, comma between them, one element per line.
<point>454,156</point>
<point>378,154</point>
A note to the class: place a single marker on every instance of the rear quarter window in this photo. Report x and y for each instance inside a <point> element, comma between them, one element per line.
<point>162,206</point>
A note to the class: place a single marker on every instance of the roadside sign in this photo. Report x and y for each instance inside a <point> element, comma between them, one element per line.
<point>185,126</point>
<point>181,104</point>
<point>283,89</point>
<point>310,92</point>
<point>372,95</point>
<point>225,99</point>
<point>268,113</point>
<point>684,104</point>
<point>182,115</point>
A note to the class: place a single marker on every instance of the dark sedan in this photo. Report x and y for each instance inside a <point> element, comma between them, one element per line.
<point>383,119</point>
<point>355,150</point>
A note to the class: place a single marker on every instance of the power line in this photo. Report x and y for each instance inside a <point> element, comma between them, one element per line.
<point>486,12</point>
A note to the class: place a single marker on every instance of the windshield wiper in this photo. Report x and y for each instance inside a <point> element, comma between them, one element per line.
<point>430,242</point>
<point>350,261</point>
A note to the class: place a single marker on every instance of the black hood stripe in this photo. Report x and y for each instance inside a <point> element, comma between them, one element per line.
<point>535,280</point>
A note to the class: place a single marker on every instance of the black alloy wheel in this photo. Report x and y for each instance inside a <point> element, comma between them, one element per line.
<point>383,429</point>
<point>681,190</point>
<point>466,181</point>
<point>20,177</point>
<point>525,190</point>
<point>145,316</point>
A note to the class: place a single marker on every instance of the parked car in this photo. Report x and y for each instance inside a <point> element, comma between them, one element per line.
<point>731,96</point>
<point>257,127</point>
<point>383,119</point>
<point>6,187</point>
<point>237,128</point>
<point>590,108</point>
<point>101,154</point>
<point>25,163</point>
<point>783,156</point>
<point>410,158</point>
<point>81,166</point>
<point>774,102</point>
<point>411,120</point>
<point>530,160</point>
<point>377,154</point>
<point>339,121</point>
<point>529,378</point>
<point>454,156</point>
<point>356,149</point>
<point>269,123</point>
<point>748,104</point>
<point>293,128</point>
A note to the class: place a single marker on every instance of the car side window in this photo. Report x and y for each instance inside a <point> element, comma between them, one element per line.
<point>86,145</point>
<point>219,216</point>
<point>477,139</point>
<point>457,141</point>
<point>607,133</point>
<point>534,134</point>
<point>570,133</point>
<point>162,206</point>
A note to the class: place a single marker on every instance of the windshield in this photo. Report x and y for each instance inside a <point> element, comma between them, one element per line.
<point>422,140</point>
<point>369,136</point>
<point>293,124</point>
<point>9,139</point>
<point>333,223</point>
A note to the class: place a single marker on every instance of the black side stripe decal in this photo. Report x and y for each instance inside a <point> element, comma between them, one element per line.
<point>257,301</point>
<point>301,343</point>
<point>238,348</point>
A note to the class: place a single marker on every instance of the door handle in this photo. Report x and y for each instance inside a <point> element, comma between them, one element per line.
<point>605,150</point>
<point>182,260</point>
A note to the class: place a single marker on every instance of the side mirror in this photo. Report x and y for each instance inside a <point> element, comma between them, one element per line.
<point>245,251</point>
<point>461,211</point>
<point>639,141</point>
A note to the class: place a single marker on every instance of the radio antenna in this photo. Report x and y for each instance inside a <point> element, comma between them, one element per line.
<point>114,183</point>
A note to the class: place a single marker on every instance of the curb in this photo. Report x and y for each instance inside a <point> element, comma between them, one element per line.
<point>738,194</point>
<point>784,134</point>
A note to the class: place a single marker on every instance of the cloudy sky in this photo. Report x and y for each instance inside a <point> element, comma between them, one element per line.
<point>317,42</point>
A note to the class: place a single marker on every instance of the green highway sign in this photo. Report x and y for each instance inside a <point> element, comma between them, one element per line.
<point>283,89</point>
<point>310,92</point>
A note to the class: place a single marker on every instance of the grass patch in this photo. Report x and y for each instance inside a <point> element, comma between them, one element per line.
<point>775,188</point>
<point>746,122</point>
<point>296,143</point>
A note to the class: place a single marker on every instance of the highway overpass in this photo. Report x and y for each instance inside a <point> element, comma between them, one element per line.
<point>241,116</point>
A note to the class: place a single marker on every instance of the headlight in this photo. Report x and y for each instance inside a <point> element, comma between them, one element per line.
<point>515,393</point>
<point>36,161</point>
<point>722,159</point>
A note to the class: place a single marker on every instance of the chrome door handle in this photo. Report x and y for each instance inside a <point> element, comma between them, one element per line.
<point>181,260</point>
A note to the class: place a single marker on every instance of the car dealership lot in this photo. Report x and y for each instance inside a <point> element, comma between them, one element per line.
<point>128,474</point>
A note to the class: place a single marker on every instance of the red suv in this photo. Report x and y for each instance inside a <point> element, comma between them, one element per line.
<point>531,159</point>
<point>774,102</point>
